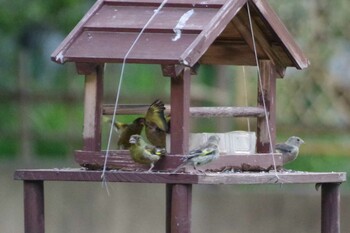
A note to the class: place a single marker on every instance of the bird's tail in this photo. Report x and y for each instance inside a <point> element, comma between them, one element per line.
<point>157,106</point>
<point>184,163</point>
<point>177,169</point>
<point>160,151</point>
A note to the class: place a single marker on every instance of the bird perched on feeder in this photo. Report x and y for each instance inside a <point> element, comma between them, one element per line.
<point>126,130</point>
<point>143,153</point>
<point>204,154</point>
<point>156,125</point>
<point>289,149</point>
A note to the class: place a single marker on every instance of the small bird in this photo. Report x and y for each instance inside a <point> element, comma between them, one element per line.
<point>156,125</point>
<point>204,154</point>
<point>126,130</point>
<point>143,153</point>
<point>289,149</point>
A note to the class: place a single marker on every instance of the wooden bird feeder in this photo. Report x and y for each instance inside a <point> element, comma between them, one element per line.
<point>215,32</point>
<point>210,32</point>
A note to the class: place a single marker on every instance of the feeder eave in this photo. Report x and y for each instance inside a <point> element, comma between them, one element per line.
<point>95,60</point>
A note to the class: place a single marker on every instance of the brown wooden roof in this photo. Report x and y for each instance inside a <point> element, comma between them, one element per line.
<point>217,32</point>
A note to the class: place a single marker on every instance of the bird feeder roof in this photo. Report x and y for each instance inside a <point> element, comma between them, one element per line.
<point>182,32</point>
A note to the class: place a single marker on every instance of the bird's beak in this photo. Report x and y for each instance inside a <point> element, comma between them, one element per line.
<point>132,140</point>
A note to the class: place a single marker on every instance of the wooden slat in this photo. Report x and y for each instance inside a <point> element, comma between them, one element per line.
<point>194,111</point>
<point>274,178</point>
<point>96,47</point>
<point>76,174</point>
<point>171,3</point>
<point>131,17</point>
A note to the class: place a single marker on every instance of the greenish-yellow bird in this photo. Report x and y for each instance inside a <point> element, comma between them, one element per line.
<point>289,149</point>
<point>204,154</point>
<point>156,125</point>
<point>143,153</point>
<point>126,130</point>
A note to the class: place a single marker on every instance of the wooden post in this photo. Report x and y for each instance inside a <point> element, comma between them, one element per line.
<point>179,196</point>
<point>92,105</point>
<point>34,218</point>
<point>330,208</point>
<point>268,76</point>
<point>180,112</point>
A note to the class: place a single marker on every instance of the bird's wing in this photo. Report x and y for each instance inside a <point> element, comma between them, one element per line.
<point>202,152</point>
<point>155,115</point>
<point>284,148</point>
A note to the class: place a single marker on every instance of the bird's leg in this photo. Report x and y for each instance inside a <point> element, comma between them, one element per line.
<point>150,169</point>
<point>196,171</point>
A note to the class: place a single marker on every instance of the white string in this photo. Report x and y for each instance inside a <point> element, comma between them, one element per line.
<point>262,92</point>
<point>119,88</point>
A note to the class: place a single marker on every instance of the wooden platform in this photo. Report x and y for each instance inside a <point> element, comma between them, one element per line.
<point>178,191</point>
<point>271,177</point>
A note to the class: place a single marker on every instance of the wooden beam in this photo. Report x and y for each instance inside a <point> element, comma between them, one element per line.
<point>180,112</point>
<point>85,68</point>
<point>77,174</point>
<point>180,200</point>
<point>227,112</point>
<point>93,109</point>
<point>141,109</point>
<point>173,70</point>
<point>267,96</point>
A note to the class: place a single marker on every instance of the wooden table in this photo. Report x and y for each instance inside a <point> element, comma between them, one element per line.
<point>33,180</point>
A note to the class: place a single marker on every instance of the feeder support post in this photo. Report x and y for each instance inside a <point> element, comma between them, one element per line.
<point>330,208</point>
<point>266,98</point>
<point>34,218</point>
<point>179,196</point>
<point>92,105</point>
